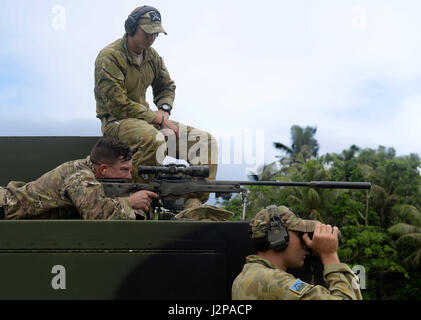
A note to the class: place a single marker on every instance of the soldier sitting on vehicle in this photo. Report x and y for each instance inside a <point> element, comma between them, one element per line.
<point>124,70</point>
<point>72,191</point>
<point>280,240</point>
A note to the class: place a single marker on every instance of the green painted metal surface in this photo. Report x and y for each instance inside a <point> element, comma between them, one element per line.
<point>27,158</point>
<point>108,259</point>
<point>165,260</point>
<point>120,260</point>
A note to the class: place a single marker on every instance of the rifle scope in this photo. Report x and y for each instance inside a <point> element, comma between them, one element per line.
<point>172,170</point>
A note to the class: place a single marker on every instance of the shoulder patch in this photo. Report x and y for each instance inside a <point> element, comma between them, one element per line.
<point>299,287</point>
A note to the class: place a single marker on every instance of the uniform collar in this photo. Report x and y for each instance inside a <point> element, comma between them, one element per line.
<point>90,164</point>
<point>257,259</point>
<point>147,54</point>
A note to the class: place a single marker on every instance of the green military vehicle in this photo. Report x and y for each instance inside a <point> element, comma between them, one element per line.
<point>78,259</point>
<point>147,260</point>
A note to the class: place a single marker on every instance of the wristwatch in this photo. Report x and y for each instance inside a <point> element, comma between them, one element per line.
<point>166,108</point>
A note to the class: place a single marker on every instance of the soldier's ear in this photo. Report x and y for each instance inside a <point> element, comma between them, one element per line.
<point>101,170</point>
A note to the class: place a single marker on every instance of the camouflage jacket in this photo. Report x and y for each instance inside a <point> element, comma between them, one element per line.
<point>121,83</point>
<point>70,191</point>
<point>261,280</point>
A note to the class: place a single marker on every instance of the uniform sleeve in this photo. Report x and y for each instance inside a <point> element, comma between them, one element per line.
<point>87,194</point>
<point>110,88</point>
<point>163,86</point>
<point>339,280</point>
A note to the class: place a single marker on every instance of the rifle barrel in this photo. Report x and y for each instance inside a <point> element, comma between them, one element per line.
<point>312,184</point>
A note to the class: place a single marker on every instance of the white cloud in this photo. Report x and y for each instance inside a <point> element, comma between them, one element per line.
<point>407,126</point>
<point>238,65</point>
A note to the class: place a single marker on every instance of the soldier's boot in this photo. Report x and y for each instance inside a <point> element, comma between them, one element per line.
<point>192,203</point>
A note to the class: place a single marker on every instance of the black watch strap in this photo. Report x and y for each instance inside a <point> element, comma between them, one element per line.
<point>166,108</point>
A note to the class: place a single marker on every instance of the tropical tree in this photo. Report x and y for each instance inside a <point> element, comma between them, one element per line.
<point>373,248</point>
<point>308,202</point>
<point>395,180</point>
<point>303,141</point>
<point>409,233</point>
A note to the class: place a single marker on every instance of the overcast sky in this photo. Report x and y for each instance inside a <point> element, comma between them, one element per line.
<point>351,68</point>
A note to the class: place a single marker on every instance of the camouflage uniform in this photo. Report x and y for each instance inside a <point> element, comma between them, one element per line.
<point>120,93</point>
<point>70,191</point>
<point>206,213</point>
<point>261,280</point>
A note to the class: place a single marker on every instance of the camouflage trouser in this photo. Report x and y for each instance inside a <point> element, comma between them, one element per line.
<point>150,145</point>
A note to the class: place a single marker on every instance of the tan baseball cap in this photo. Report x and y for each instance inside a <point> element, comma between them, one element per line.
<point>151,22</point>
<point>260,224</point>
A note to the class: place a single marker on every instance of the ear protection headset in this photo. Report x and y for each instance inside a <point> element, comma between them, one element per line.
<point>132,21</point>
<point>277,234</point>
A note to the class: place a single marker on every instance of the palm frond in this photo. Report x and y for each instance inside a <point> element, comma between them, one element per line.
<point>367,171</point>
<point>402,229</point>
<point>316,215</point>
<point>414,260</point>
<point>293,199</point>
<point>415,238</point>
<point>283,147</point>
<point>313,197</point>
<point>410,213</point>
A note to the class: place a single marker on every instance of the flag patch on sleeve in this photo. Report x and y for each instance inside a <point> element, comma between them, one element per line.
<point>299,287</point>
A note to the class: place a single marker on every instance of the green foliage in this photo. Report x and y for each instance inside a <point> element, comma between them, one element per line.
<point>409,288</point>
<point>381,229</point>
<point>409,234</point>
<point>372,248</point>
<point>235,206</point>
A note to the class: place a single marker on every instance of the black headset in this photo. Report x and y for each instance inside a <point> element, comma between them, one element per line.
<point>277,234</point>
<point>132,21</point>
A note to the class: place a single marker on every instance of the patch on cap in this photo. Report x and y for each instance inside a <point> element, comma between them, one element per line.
<point>155,16</point>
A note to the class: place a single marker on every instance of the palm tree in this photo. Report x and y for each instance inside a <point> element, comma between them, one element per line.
<point>309,202</point>
<point>350,153</point>
<point>303,142</point>
<point>409,232</point>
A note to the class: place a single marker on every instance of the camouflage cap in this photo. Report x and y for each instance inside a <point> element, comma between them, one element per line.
<point>259,225</point>
<point>150,22</point>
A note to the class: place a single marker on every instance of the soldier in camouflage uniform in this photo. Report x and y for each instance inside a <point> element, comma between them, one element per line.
<point>71,191</point>
<point>123,72</point>
<point>280,240</point>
